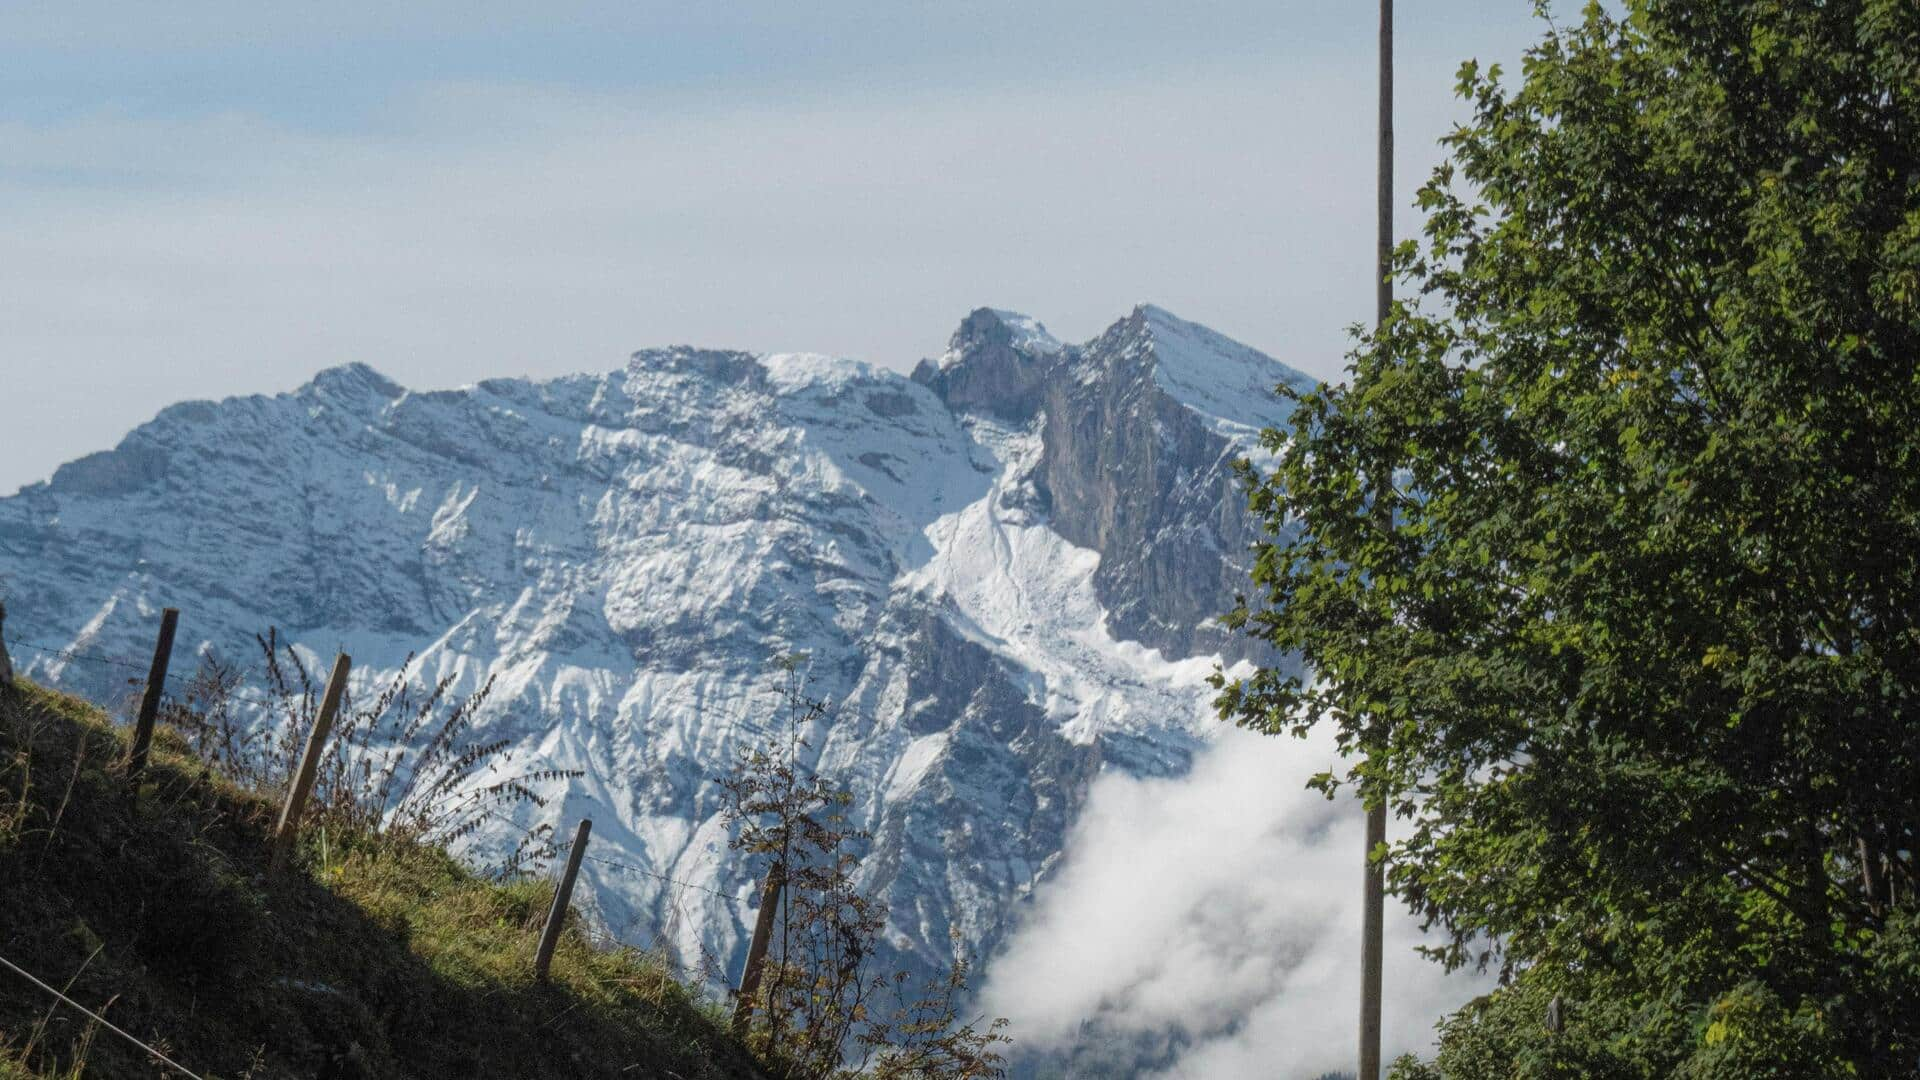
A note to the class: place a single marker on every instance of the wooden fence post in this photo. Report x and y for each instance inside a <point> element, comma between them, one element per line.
<point>6,662</point>
<point>562,896</point>
<point>757,949</point>
<point>150,701</point>
<point>289,827</point>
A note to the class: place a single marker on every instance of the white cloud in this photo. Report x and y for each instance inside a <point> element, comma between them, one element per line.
<point>1221,908</point>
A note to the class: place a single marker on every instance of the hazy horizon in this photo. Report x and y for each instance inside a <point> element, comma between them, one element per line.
<point>214,199</point>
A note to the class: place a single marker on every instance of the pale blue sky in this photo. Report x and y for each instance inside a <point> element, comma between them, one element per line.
<point>203,199</point>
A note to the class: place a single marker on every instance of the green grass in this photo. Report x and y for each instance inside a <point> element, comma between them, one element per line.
<point>387,959</point>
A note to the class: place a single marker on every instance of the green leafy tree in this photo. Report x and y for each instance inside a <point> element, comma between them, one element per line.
<point>1635,640</point>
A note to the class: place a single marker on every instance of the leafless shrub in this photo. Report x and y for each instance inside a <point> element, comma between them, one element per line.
<point>254,756</point>
<point>819,1008</point>
<point>924,1039</point>
<point>404,763</point>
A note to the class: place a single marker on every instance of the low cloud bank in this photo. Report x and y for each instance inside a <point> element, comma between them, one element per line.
<point>1212,922</point>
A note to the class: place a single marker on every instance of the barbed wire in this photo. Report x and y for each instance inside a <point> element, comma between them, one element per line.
<point>531,834</point>
<point>660,951</point>
<point>101,1020</point>
<point>563,846</point>
<point>792,738</point>
<point>73,652</point>
<point>660,877</point>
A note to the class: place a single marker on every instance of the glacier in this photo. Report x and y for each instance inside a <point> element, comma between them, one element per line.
<point>1003,570</point>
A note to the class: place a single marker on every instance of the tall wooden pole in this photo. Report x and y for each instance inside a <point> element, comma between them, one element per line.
<point>1371,946</point>
<point>1373,916</point>
<point>562,896</point>
<point>296,805</point>
<point>150,701</point>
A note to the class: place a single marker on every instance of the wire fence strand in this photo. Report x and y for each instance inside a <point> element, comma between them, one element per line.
<point>97,1018</point>
<point>790,738</point>
<point>659,877</point>
<point>72,653</point>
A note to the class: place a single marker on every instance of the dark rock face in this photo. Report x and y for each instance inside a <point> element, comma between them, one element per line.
<point>129,467</point>
<point>1005,787</point>
<point>890,404</point>
<point>987,371</point>
<point>1136,476</point>
<point>718,365</point>
<point>1128,470</point>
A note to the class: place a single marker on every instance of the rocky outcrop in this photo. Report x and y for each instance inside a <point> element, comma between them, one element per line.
<point>996,363</point>
<point>1132,468</point>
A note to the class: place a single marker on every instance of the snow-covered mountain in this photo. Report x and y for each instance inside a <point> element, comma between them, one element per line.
<point>1001,570</point>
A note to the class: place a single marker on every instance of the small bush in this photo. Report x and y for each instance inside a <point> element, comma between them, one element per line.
<point>823,1008</point>
<point>403,763</point>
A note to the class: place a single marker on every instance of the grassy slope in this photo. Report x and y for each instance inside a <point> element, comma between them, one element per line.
<point>396,962</point>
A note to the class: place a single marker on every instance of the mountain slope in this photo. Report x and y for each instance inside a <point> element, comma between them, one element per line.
<point>999,569</point>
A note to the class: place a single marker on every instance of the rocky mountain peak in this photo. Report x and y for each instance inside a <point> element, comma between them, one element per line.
<point>985,328</point>
<point>994,363</point>
<point>718,365</point>
<point>354,382</point>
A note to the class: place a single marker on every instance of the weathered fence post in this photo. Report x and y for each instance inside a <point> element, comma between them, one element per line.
<point>6,662</point>
<point>757,948</point>
<point>289,827</point>
<point>150,701</point>
<point>562,896</point>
